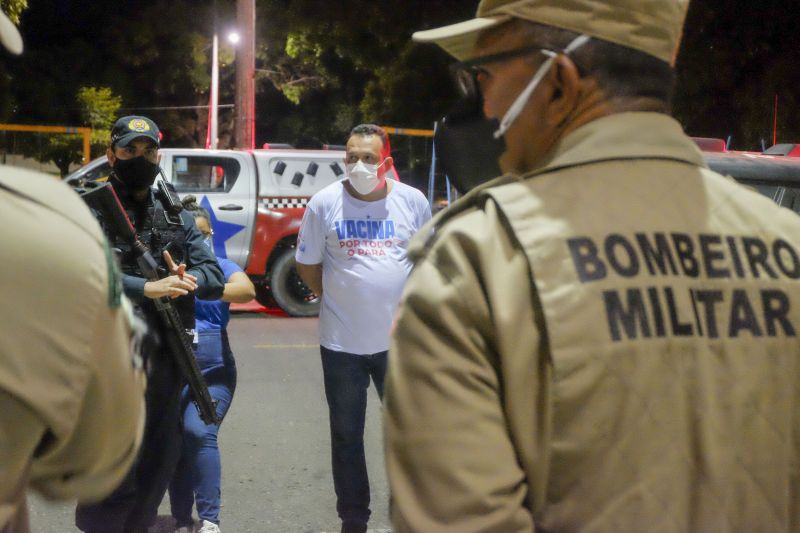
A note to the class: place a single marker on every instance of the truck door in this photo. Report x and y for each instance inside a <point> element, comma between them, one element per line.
<point>224,184</point>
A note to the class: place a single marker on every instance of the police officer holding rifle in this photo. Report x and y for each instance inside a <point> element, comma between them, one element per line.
<point>605,339</point>
<point>163,284</point>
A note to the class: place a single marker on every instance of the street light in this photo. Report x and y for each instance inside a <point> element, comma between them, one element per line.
<point>213,116</point>
<point>244,129</point>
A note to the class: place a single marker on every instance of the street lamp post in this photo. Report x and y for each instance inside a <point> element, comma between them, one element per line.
<point>213,119</point>
<point>245,74</point>
<point>212,136</point>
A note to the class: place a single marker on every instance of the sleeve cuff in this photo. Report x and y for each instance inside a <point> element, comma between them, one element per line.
<point>133,287</point>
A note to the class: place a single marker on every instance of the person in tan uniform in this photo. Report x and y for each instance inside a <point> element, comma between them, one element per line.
<point>71,387</point>
<point>605,339</point>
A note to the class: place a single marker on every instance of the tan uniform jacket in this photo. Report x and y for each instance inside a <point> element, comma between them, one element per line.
<point>71,394</point>
<point>609,344</point>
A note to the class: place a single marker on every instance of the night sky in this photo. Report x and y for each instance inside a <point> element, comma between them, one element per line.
<point>737,57</point>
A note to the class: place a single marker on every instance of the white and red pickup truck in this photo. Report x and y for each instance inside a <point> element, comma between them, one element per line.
<point>256,199</point>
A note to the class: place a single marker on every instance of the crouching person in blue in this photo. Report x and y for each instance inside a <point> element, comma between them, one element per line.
<point>198,477</point>
<point>192,269</point>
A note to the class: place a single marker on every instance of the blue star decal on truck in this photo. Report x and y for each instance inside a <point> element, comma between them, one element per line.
<point>222,230</point>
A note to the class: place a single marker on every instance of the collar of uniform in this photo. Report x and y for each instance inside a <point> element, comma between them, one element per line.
<point>636,135</point>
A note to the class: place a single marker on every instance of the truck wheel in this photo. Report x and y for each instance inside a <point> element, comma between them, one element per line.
<point>288,289</point>
<point>263,294</point>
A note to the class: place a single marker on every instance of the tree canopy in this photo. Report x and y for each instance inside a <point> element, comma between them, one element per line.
<point>736,58</point>
<point>13,8</point>
<point>324,66</point>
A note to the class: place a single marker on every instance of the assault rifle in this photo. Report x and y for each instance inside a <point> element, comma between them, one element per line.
<point>102,198</point>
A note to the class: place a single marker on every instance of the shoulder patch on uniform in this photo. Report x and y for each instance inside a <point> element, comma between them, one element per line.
<point>114,278</point>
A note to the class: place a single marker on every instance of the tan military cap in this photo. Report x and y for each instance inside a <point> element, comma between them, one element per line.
<point>9,35</point>
<point>652,26</point>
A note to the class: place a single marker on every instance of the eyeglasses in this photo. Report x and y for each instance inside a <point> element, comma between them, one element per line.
<point>466,73</point>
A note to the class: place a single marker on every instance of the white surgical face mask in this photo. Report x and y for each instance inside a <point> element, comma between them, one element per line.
<point>363,177</point>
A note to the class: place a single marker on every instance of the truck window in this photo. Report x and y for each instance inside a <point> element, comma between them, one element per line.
<point>100,171</point>
<point>770,191</point>
<point>204,173</point>
<point>791,199</point>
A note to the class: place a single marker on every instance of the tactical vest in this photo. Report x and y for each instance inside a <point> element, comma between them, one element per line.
<point>159,231</point>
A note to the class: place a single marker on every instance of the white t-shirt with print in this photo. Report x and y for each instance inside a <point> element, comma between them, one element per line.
<point>362,248</point>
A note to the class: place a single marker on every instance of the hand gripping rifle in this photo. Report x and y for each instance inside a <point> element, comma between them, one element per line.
<point>103,199</point>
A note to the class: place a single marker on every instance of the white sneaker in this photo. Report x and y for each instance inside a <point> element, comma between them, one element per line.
<point>208,527</point>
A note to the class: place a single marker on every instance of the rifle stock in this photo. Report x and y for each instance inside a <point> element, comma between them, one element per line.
<point>103,198</point>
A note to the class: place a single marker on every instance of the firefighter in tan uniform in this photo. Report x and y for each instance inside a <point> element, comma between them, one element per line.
<point>71,387</point>
<point>607,338</point>
<point>71,390</point>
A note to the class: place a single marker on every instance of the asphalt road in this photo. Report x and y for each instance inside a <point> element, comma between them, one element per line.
<point>275,443</point>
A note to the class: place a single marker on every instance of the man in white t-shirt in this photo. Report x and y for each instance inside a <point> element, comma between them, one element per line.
<point>352,253</point>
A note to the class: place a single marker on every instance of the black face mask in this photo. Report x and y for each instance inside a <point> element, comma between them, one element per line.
<point>137,173</point>
<point>466,146</point>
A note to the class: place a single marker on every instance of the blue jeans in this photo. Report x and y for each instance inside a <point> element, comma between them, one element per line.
<point>346,382</point>
<point>198,475</point>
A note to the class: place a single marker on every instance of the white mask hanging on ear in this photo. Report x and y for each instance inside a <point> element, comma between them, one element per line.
<point>522,100</point>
